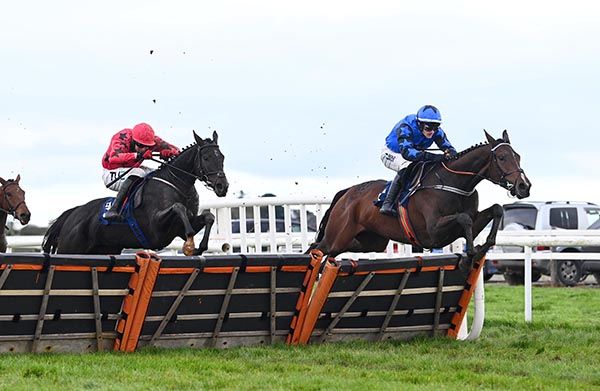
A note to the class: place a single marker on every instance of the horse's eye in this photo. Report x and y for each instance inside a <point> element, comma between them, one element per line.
<point>501,158</point>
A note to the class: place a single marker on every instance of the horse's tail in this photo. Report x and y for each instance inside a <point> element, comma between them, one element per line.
<point>50,243</point>
<point>325,219</point>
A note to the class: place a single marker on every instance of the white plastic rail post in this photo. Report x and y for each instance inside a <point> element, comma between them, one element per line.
<point>479,316</point>
<point>528,311</point>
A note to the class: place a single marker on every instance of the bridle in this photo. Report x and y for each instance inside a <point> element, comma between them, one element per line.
<point>12,209</point>
<point>502,181</point>
<point>204,173</point>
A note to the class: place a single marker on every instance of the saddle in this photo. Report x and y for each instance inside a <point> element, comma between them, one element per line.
<point>132,201</point>
<point>410,184</point>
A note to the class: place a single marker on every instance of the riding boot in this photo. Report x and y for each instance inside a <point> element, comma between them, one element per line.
<point>113,213</point>
<point>388,207</point>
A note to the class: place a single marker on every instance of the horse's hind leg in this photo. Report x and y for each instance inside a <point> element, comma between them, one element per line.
<point>342,242</point>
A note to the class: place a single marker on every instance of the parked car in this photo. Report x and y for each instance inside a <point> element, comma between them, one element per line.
<point>590,266</point>
<point>544,216</point>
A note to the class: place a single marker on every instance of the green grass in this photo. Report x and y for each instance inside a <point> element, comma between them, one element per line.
<point>559,350</point>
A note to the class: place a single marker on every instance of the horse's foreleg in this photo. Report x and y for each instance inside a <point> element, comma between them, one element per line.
<point>180,211</point>
<point>3,243</point>
<point>440,229</point>
<point>203,220</point>
<point>493,213</point>
<point>446,223</point>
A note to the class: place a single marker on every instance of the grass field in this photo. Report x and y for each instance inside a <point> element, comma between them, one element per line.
<point>559,350</point>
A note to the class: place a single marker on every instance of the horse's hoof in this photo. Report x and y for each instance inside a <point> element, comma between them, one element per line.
<point>188,247</point>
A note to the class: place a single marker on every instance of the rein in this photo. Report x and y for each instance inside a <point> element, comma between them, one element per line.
<point>502,182</point>
<point>204,174</point>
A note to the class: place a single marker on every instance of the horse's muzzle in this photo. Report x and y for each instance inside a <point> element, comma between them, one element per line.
<point>221,187</point>
<point>521,188</point>
<point>24,216</point>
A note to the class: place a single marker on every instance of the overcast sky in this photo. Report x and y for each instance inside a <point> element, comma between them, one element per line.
<point>302,94</point>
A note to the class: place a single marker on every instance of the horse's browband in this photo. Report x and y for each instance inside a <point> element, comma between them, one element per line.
<point>499,145</point>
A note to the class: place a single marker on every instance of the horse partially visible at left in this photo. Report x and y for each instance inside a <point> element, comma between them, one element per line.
<point>12,202</point>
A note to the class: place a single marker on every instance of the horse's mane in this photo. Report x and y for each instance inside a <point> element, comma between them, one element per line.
<point>471,148</point>
<point>183,150</point>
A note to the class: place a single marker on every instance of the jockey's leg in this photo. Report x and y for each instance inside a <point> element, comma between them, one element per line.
<point>113,212</point>
<point>388,207</point>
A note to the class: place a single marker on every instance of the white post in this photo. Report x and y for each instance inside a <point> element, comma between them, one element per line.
<point>243,243</point>
<point>287,217</point>
<point>479,314</point>
<point>528,312</point>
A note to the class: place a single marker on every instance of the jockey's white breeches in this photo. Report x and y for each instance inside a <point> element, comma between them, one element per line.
<point>110,175</point>
<point>393,160</point>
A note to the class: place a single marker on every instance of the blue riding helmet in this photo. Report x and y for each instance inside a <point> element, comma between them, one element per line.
<point>429,113</point>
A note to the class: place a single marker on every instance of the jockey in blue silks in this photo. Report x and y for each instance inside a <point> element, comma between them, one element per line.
<point>406,144</point>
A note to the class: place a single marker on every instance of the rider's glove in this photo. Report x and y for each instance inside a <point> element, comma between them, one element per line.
<point>167,153</point>
<point>450,153</point>
<point>147,154</point>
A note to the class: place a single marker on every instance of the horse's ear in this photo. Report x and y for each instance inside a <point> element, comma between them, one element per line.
<point>2,181</point>
<point>490,139</point>
<point>215,137</point>
<point>505,136</point>
<point>18,178</point>
<point>198,139</point>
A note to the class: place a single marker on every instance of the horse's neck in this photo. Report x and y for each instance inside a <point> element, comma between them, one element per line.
<point>173,174</point>
<point>473,162</point>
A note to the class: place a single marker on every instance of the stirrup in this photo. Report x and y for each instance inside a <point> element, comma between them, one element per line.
<point>111,215</point>
<point>388,211</point>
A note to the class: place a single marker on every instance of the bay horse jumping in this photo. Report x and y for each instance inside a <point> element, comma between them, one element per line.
<point>169,208</point>
<point>12,202</point>
<point>443,209</point>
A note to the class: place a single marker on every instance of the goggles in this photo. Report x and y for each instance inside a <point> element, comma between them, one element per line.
<point>428,126</point>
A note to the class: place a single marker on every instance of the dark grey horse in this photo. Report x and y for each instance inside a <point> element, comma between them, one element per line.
<point>169,208</point>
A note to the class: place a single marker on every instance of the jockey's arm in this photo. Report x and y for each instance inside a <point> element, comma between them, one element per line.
<point>121,156</point>
<point>442,142</point>
<point>163,146</point>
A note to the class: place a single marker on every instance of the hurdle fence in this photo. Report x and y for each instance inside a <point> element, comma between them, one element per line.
<point>87,303</point>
